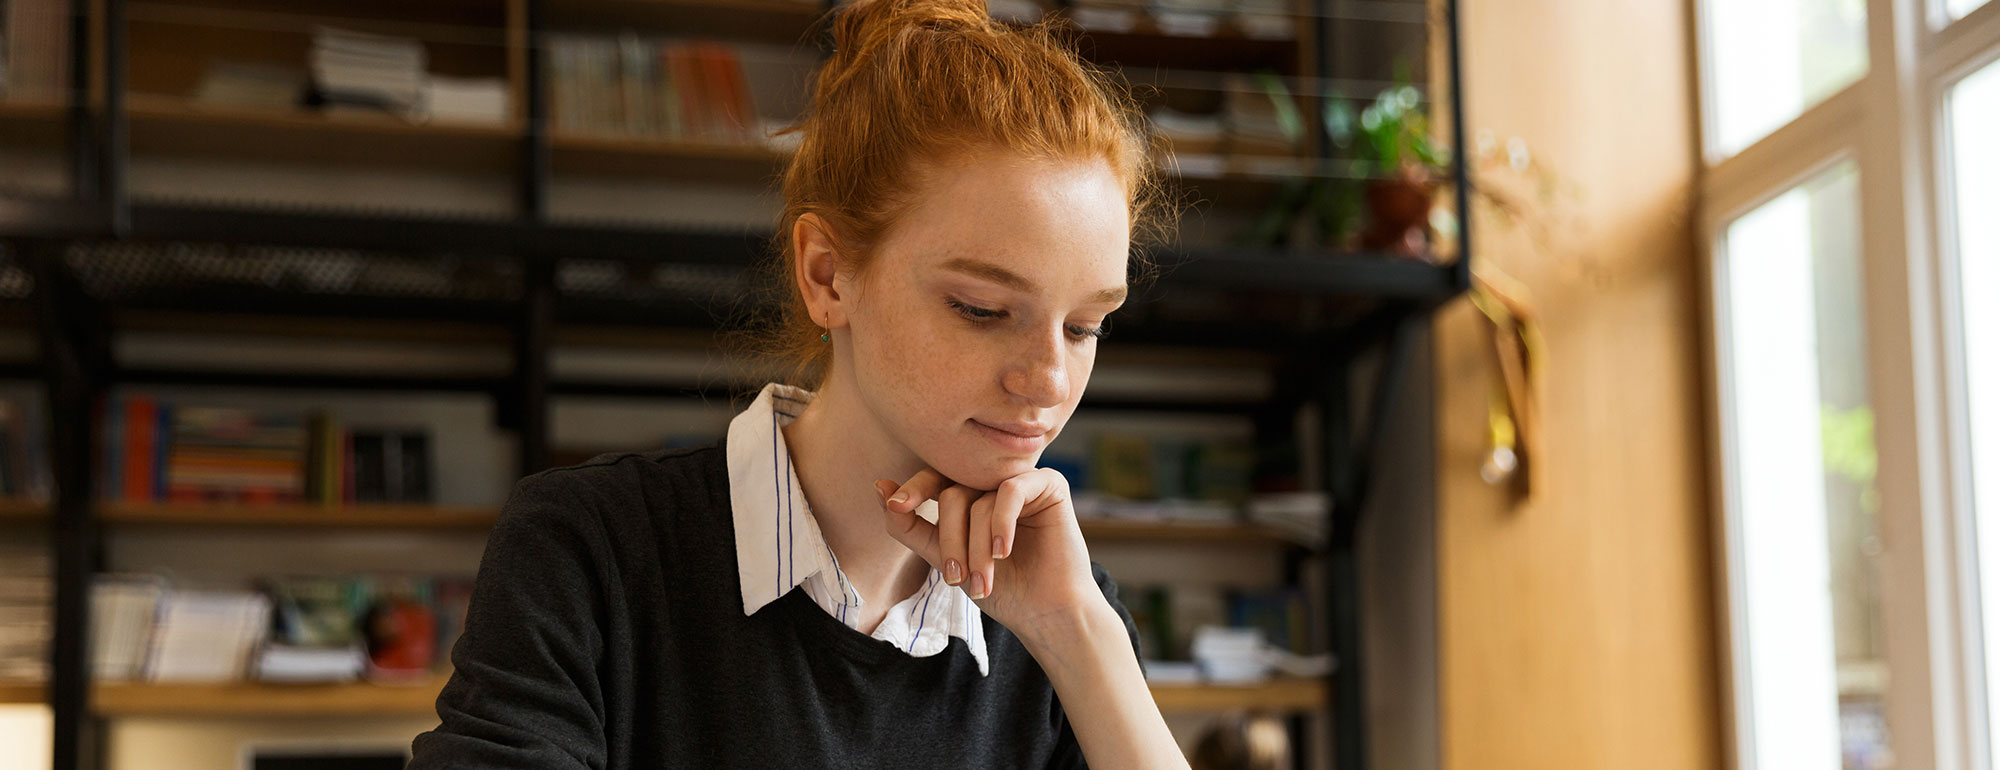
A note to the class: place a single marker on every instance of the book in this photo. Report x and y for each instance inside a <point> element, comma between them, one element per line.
<point>314,611</point>
<point>206,636</point>
<point>36,60</point>
<point>25,604</point>
<point>315,633</point>
<point>123,608</point>
<point>467,100</point>
<point>141,442</point>
<point>24,470</point>
<point>1122,464</point>
<point>672,88</point>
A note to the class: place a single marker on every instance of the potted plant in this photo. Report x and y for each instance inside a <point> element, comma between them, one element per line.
<point>1379,189</point>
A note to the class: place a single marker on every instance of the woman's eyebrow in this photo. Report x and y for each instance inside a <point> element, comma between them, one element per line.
<point>1013,280</point>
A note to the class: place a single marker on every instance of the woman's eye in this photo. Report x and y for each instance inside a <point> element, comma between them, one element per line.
<point>975,314</point>
<point>981,316</point>
<point>1089,332</point>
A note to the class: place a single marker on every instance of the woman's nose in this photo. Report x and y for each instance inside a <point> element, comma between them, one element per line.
<point>1041,374</point>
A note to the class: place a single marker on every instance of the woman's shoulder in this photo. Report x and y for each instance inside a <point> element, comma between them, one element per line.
<point>615,487</point>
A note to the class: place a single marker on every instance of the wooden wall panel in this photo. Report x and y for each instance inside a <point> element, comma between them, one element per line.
<point>1576,630</point>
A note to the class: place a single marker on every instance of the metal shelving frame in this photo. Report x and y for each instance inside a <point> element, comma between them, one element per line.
<point>1396,299</point>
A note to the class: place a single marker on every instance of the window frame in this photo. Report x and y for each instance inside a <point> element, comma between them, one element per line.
<point>1891,124</point>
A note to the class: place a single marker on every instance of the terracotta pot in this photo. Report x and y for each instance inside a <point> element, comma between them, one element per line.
<point>1399,210</point>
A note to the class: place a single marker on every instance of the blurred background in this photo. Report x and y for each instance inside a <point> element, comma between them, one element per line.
<point>1537,384</point>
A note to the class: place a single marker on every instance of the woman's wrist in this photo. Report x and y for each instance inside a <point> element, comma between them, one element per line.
<point>1087,653</point>
<point>1064,633</point>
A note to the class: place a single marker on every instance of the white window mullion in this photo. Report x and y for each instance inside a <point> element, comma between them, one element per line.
<point>1817,139</point>
<point>1952,51</point>
<point>1927,704</point>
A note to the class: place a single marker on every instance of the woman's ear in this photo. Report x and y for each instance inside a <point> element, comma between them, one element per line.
<point>815,263</point>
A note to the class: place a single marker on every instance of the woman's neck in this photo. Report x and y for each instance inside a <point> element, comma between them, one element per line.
<point>838,451</point>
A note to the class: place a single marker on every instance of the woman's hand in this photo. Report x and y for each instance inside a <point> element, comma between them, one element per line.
<point>1015,550</point>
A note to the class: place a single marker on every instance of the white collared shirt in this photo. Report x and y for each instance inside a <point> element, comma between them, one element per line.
<point>779,547</point>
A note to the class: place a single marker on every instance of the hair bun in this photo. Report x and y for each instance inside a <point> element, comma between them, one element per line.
<point>864,26</point>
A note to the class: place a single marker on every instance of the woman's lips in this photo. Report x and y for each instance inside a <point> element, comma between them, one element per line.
<point>1009,441</point>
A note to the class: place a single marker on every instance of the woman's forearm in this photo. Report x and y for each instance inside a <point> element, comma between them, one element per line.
<point>1089,659</point>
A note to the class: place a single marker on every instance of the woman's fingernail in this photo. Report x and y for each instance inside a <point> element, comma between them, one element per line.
<point>996,548</point>
<point>900,497</point>
<point>952,572</point>
<point>978,585</point>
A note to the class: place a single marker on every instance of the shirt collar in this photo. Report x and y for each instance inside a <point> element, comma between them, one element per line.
<point>779,545</point>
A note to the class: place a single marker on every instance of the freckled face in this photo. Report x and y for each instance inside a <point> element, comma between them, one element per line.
<point>973,334</point>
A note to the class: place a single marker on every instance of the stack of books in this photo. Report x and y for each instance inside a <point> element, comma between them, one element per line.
<point>34,50</point>
<point>206,636</point>
<point>370,73</point>
<point>316,632</point>
<point>1189,133</point>
<point>1106,15</point>
<point>1303,517</point>
<point>1190,18</point>
<point>293,629</point>
<point>24,460</point>
<point>26,586</point>
<point>1255,123</point>
<point>122,609</point>
<point>1266,19</point>
<point>466,100</point>
<point>248,84</point>
<point>1159,477</point>
<point>1257,19</point>
<point>156,451</point>
<point>683,90</point>
<point>1017,11</point>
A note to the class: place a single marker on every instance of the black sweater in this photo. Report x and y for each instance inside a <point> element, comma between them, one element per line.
<point>606,630</point>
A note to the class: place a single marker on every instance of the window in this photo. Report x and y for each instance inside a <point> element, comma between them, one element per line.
<point>1802,458</point>
<point>1770,60</point>
<point>1974,115</point>
<point>1851,206</point>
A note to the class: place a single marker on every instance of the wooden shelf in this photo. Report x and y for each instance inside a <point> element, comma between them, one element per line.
<point>173,127</point>
<point>472,517</point>
<point>323,700</point>
<point>357,516</point>
<point>616,155</point>
<point>1280,694</point>
<point>770,21</point>
<point>32,124</point>
<point>14,510</point>
<point>257,699</point>
<point>1227,51</point>
<point>22,693</point>
<point>1167,531</point>
<point>177,127</point>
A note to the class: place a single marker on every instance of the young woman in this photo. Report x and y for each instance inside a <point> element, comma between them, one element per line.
<point>869,570</point>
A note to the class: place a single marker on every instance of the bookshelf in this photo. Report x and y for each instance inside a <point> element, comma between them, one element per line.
<point>442,518</point>
<point>474,518</point>
<point>1283,694</point>
<point>1312,311</point>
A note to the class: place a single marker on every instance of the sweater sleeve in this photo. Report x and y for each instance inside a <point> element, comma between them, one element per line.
<point>525,690</point>
<point>1069,753</point>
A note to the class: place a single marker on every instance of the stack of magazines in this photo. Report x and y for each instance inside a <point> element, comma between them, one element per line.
<point>25,588</point>
<point>378,73</point>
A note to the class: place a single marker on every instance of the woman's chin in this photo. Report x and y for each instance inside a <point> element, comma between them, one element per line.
<point>986,473</point>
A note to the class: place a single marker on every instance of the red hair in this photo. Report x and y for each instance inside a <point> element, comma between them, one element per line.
<point>914,81</point>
